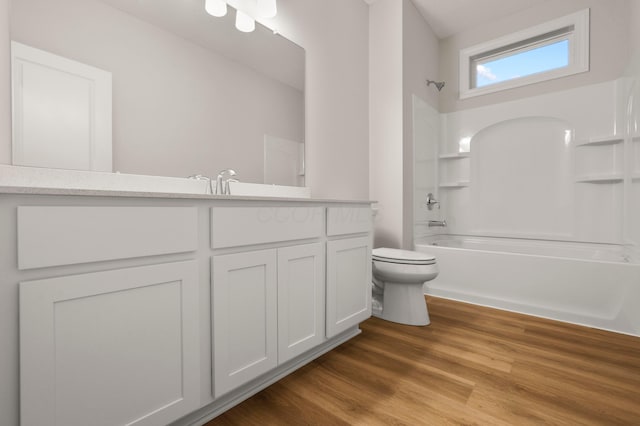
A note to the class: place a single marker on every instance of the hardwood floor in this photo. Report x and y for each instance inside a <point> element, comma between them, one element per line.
<point>472,365</point>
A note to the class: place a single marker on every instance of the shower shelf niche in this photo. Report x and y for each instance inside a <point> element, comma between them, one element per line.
<point>453,170</point>
<point>600,160</point>
<point>454,156</point>
<point>605,140</point>
<point>460,184</point>
<point>601,178</point>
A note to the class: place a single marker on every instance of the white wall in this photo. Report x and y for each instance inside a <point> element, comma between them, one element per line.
<point>403,54</point>
<point>420,62</point>
<point>609,46</point>
<point>178,109</point>
<point>5,86</point>
<point>635,28</point>
<point>634,35</point>
<point>386,121</point>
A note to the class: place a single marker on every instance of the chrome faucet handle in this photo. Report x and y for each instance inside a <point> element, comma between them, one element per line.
<point>228,187</point>
<point>222,186</point>
<point>431,201</point>
<point>205,178</point>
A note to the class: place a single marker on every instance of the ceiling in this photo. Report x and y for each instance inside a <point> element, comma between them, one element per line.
<point>448,17</point>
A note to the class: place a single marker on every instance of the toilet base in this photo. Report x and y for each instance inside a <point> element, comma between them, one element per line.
<point>404,303</point>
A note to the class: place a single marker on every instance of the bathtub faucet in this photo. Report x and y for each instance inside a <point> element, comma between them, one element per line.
<point>437,223</point>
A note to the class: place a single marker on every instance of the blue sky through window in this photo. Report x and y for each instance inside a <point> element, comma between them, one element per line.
<point>544,58</point>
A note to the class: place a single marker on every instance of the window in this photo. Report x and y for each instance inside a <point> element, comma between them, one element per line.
<point>555,49</point>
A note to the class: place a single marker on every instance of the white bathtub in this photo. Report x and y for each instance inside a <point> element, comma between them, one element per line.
<point>596,285</point>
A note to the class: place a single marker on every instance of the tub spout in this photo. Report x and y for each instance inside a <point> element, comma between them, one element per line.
<point>437,223</point>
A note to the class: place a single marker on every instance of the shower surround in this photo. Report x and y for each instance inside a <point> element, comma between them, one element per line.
<point>552,172</point>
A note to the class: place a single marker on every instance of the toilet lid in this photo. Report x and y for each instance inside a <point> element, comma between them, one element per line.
<point>405,257</point>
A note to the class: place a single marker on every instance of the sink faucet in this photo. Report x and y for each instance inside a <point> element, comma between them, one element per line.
<point>437,223</point>
<point>222,181</point>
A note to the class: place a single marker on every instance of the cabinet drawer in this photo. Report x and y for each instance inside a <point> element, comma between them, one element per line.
<point>67,235</point>
<point>239,226</point>
<point>348,220</point>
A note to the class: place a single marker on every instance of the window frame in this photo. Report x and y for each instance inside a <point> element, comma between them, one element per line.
<point>573,27</point>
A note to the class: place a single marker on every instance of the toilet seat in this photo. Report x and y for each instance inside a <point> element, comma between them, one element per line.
<point>402,257</point>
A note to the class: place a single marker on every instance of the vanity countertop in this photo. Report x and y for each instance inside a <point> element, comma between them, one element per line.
<point>25,190</point>
<point>41,181</point>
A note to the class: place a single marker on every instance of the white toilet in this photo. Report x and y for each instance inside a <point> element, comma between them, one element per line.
<point>398,276</point>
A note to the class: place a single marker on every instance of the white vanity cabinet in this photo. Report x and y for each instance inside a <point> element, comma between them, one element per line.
<point>116,346</point>
<point>244,317</point>
<point>268,305</point>
<point>148,310</point>
<point>109,348</point>
<point>348,268</point>
<point>301,299</point>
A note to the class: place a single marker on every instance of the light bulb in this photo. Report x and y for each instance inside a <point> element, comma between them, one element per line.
<point>244,22</point>
<point>267,8</point>
<point>216,7</point>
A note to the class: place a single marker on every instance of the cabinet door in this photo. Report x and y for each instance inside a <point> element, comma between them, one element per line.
<point>114,347</point>
<point>348,283</point>
<point>244,293</point>
<point>300,299</point>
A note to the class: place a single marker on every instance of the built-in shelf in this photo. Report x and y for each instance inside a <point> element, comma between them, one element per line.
<point>454,156</point>
<point>461,184</point>
<point>424,189</point>
<point>601,178</point>
<point>605,140</point>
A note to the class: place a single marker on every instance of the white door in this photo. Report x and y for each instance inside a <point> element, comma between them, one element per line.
<point>106,348</point>
<point>348,283</point>
<point>61,112</point>
<point>244,303</point>
<point>300,299</point>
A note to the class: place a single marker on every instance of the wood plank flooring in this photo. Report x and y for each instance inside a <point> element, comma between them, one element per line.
<point>472,366</point>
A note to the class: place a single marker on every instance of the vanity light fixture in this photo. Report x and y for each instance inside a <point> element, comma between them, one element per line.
<point>216,8</point>
<point>247,11</point>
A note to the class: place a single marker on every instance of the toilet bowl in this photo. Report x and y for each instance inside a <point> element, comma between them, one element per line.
<point>398,276</point>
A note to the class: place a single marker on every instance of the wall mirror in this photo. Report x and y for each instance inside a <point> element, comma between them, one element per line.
<point>190,93</point>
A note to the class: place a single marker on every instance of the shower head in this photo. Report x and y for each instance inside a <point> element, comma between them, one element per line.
<point>439,84</point>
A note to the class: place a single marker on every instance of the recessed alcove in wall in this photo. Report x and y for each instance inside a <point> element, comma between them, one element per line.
<point>600,160</point>
<point>522,178</point>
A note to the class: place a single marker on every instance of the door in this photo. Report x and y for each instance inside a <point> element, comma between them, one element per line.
<point>244,303</point>
<point>348,283</point>
<point>300,299</point>
<point>61,112</point>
